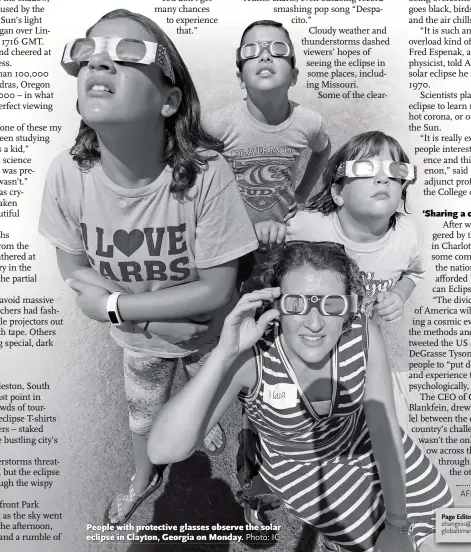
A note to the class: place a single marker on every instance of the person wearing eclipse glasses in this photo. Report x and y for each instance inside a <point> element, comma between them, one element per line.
<point>265,134</point>
<point>146,219</point>
<point>364,184</point>
<point>313,376</point>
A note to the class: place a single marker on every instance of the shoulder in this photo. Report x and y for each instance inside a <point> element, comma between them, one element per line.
<point>406,230</point>
<point>215,177</point>
<point>311,225</point>
<point>355,339</point>
<point>306,112</point>
<point>310,119</point>
<point>221,117</point>
<point>216,165</point>
<point>64,174</point>
<point>63,162</point>
<point>312,125</point>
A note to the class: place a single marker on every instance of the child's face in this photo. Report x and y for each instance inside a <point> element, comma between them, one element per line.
<point>111,92</point>
<point>266,72</point>
<point>376,196</point>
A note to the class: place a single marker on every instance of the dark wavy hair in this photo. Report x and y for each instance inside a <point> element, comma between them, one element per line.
<point>267,23</point>
<point>187,141</point>
<point>298,255</point>
<point>361,146</point>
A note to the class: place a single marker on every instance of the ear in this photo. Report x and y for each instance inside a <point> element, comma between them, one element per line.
<point>336,192</point>
<point>294,76</point>
<point>172,102</point>
<point>240,79</point>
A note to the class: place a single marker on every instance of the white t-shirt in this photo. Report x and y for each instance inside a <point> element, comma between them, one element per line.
<point>382,263</point>
<point>148,238</point>
<point>264,157</point>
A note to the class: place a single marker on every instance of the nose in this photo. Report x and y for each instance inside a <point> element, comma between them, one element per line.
<point>265,55</point>
<point>314,320</point>
<point>102,62</point>
<point>381,178</point>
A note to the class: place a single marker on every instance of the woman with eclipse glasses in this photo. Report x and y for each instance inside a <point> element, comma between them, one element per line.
<point>314,379</point>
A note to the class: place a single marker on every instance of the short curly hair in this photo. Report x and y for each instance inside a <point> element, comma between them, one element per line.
<point>297,255</point>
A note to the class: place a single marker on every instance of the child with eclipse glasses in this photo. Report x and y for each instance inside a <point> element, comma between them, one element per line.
<point>265,133</point>
<point>146,219</point>
<point>365,183</point>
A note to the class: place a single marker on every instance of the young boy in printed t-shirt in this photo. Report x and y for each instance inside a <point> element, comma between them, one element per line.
<point>265,133</point>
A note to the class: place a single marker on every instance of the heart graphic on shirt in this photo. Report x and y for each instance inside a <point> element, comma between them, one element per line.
<point>128,242</point>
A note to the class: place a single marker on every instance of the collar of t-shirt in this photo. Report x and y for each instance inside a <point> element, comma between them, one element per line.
<point>360,247</point>
<point>268,128</point>
<point>143,191</point>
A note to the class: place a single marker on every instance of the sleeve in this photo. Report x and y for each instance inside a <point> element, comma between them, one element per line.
<point>416,270</point>
<point>223,229</point>
<point>321,139</point>
<point>56,223</point>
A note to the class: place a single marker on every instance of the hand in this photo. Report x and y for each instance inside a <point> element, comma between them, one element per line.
<point>270,231</point>
<point>300,227</point>
<point>240,330</point>
<point>90,299</point>
<point>389,305</point>
<point>392,540</point>
<point>183,330</point>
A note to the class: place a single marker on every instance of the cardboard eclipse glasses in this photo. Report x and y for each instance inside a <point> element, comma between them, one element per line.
<point>129,50</point>
<point>326,305</point>
<point>365,168</point>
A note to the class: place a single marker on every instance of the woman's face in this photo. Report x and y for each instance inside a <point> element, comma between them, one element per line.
<point>112,92</point>
<point>311,337</point>
<point>376,196</point>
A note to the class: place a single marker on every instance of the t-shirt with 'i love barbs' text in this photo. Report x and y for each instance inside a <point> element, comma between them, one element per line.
<point>149,238</point>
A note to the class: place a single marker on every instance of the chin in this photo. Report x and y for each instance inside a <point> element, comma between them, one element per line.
<point>96,117</point>
<point>313,358</point>
<point>311,355</point>
<point>380,212</point>
<point>267,85</point>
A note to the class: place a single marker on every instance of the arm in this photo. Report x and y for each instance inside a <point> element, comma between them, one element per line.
<point>381,418</point>
<point>78,266</point>
<point>184,420</point>
<point>387,445</point>
<point>405,286</point>
<point>213,290</point>
<point>390,305</point>
<point>69,263</point>
<point>314,169</point>
<point>173,330</point>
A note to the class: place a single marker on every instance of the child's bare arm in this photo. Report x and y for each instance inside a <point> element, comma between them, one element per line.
<point>174,331</point>
<point>78,266</point>
<point>69,263</point>
<point>314,169</point>
<point>390,304</point>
